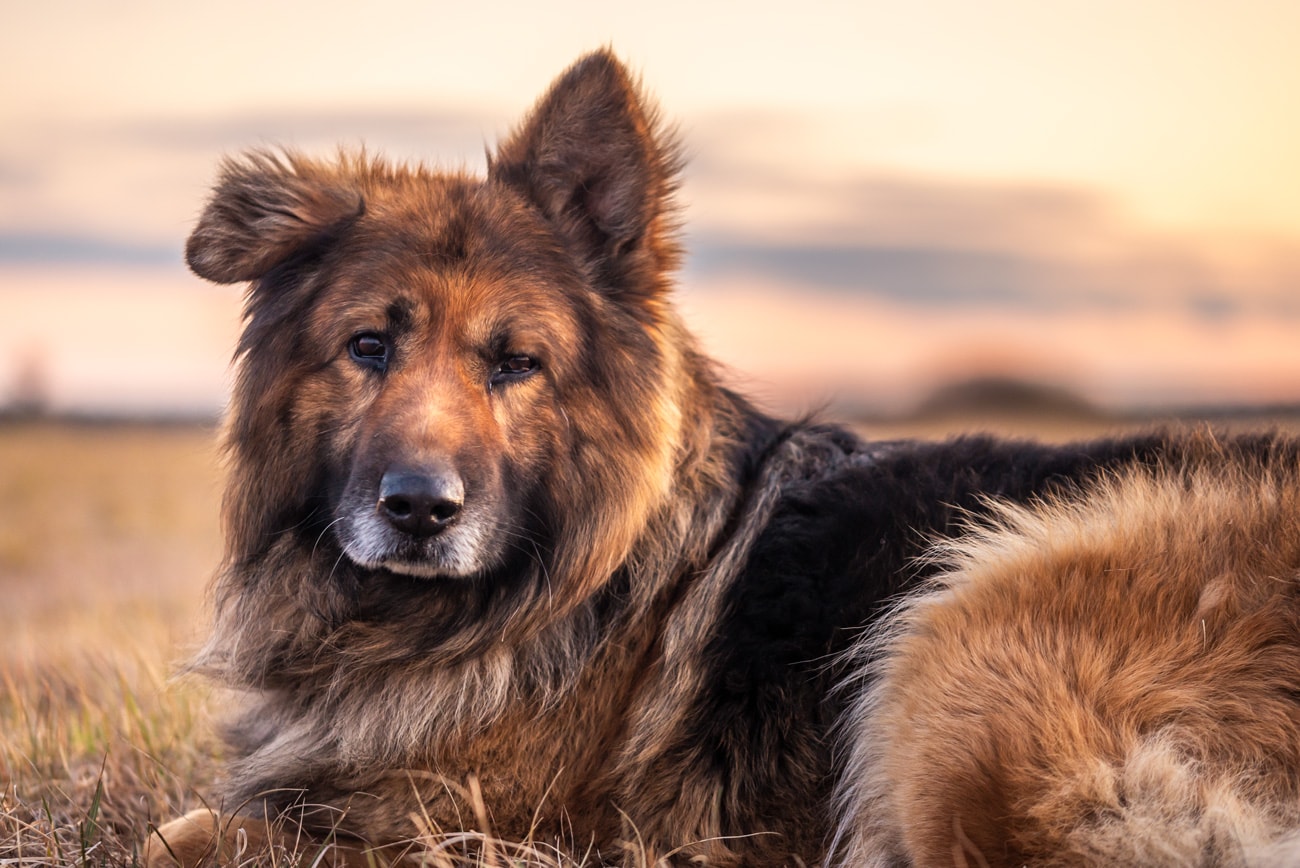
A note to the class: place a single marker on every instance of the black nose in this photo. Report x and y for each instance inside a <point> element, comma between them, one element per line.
<point>420,502</point>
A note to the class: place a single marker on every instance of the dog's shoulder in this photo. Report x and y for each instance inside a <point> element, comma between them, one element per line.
<point>849,519</point>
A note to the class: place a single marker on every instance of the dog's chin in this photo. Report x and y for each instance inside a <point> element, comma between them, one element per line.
<point>415,565</point>
<point>419,569</point>
<point>458,554</point>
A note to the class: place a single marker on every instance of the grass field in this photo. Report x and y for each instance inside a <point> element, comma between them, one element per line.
<point>108,535</point>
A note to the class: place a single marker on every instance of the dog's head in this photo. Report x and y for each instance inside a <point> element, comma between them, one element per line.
<point>449,377</point>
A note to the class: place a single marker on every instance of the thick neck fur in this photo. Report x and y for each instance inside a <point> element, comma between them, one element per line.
<point>335,652</point>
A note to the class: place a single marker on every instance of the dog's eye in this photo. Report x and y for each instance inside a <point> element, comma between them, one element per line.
<point>513,368</point>
<point>370,349</point>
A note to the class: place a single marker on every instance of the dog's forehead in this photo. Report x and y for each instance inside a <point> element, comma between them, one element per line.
<point>422,222</point>
<point>453,251</point>
<point>455,218</point>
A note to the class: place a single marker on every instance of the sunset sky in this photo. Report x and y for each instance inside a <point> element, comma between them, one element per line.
<point>881,196</point>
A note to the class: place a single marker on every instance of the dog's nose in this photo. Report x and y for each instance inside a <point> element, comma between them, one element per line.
<point>420,502</point>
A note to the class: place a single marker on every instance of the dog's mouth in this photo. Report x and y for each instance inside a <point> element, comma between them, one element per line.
<point>419,519</point>
<point>372,541</point>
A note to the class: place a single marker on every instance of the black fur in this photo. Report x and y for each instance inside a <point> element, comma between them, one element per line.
<point>840,547</point>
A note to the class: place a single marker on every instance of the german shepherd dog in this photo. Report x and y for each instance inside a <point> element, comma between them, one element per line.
<point>505,556</point>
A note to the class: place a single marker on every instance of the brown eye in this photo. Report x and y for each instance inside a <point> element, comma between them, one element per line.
<point>370,349</point>
<point>513,368</point>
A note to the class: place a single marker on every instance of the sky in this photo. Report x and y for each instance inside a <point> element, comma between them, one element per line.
<point>881,196</point>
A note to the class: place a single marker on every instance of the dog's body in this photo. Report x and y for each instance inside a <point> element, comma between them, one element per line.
<point>502,550</point>
<point>1109,681</point>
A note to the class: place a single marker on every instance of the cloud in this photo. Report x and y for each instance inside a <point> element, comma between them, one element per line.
<point>914,275</point>
<point>407,134</point>
<point>29,249</point>
<point>956,242</point>
<point>15,174</point>
<point>856,203</point>
<point>958,278</point>
<point>127,191</point>
<point>143,180</point>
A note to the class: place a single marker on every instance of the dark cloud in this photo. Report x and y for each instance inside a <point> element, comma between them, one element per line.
<point>26,249</point>
<point>894,207</point>
<point>913,239</point>
<point>953,277</point>
<point>959,243</point>
<point>976,215</point>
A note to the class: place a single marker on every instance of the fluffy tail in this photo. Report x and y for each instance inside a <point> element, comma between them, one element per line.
<point>1109,681</point>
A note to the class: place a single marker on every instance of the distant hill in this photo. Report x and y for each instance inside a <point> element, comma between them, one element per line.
<point>1004,396</point>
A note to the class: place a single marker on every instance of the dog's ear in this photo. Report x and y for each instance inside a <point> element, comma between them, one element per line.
<point>265,209</point>
<point>592,158</point>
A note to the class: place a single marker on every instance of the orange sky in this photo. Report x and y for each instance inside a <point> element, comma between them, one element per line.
<point>1185,108</point>
<point>986,173</point>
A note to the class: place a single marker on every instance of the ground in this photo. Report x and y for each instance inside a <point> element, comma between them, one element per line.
<point>108,535</point>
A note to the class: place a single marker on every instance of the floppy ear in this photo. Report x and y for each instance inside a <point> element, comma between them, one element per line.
<point>592,159</point>
<point>264,210</point>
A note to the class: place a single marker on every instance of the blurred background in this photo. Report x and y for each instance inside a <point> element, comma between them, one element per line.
<point>920,216</point>
<point>1089,202</point>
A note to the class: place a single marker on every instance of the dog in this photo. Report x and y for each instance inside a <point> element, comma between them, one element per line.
<point>504,555</point>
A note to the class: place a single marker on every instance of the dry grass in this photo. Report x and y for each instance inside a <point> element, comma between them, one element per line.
<point>107,538</point>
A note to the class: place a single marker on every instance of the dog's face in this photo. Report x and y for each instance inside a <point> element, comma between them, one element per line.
<point>446,329</point>
<point>446,375</point>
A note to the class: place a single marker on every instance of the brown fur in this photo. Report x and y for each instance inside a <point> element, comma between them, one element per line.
<point>496,679</point>
<point>630,620</point>
<point>1107,681</point>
